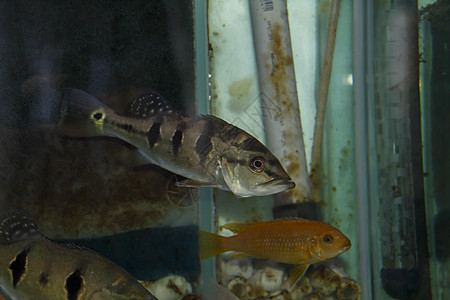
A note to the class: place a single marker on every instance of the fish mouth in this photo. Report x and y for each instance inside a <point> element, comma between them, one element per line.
<point>346,247</point>
<point>287,184</point>
<point>273,186</point>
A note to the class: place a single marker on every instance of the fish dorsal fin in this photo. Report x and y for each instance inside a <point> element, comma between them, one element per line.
<point>285,219</point>
<point>237,227</point>
<point>291,219</point>
<point>72,246</point>
<point>215,119</point>
<point>148,104</point>
<point>16,225</point>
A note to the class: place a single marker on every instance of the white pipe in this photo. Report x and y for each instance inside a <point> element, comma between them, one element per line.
<point>279,101</point>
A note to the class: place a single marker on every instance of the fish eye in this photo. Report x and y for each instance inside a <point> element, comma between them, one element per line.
<point>97,116</point>
<point>328,239</point>
<point>257,164</point>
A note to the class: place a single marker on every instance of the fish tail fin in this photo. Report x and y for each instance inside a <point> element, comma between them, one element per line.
<point>210,244</point>
<point>82,115</point>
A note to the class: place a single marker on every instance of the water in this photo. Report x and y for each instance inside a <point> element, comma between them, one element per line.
<point>383,155</point>
<point>91,189</point>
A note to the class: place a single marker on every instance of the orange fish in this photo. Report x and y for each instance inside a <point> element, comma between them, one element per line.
<point>299,242</point>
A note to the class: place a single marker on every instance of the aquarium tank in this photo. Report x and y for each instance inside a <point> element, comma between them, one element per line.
<point>260,149</point>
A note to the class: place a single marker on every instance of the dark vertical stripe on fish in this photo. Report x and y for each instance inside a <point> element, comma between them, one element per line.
<point>154,134</point>
<point>73,285</point>
<point>177,139</point>
<point>203,146</point>
<point>18,266</point>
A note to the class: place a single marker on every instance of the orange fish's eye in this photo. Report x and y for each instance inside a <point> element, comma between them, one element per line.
<point>257,164</point>
<point>328,239</point>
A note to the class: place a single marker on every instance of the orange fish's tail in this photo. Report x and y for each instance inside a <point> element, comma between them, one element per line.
<point>210,244</point>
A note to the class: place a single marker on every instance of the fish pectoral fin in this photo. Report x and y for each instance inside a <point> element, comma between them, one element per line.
<point>195,184</point>
<point>237,227</point>
<point>239,255</point>
<point>296,274</point>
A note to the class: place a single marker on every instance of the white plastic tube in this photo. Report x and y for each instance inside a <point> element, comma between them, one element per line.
<point>279,101</point>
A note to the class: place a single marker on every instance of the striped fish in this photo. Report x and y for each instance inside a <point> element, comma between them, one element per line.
<point>33,267</point>
<point>206,150</point>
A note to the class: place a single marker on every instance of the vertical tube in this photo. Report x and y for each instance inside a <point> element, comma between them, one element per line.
<point>403,241</point>
<point>279,101</point>
<point>201,82</point>
<point>361,141</point>
<point>323,97</point>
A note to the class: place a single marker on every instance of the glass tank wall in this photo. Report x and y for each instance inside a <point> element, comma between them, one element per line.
<point>350,96</point>
<point>376,179</point>
<point>97,192</point>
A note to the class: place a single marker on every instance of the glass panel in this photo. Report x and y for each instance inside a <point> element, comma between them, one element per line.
<point>434,34</point>
<point>379,175</point>
<point>95,191</point>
